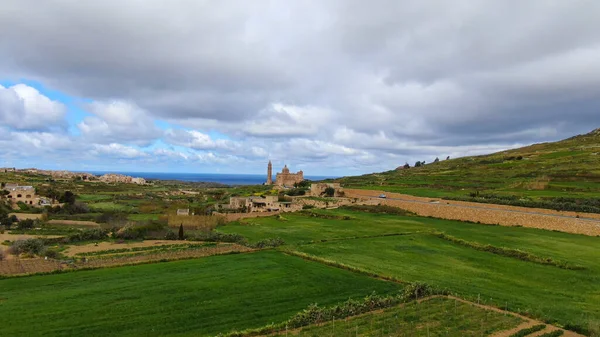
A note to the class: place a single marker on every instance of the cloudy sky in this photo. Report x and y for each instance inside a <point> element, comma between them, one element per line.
<point>331,87</point>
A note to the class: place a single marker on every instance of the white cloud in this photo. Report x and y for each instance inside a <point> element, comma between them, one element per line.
<point>118,121</point>
<point>25,108</point>
<point>197,140</point>
<point>337,83</point>
<point>281,120</point>
<point>119,151</point>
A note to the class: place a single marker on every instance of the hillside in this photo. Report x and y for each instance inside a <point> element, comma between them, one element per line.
<point>567,168</point>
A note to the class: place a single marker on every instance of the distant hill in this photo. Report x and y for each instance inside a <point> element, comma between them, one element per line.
<point>567,168</point>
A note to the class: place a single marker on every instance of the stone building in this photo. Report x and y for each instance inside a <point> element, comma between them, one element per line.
<point>260,204</point>
<point>270,173</point>
<point>25,194</point>
<point>284,178</point>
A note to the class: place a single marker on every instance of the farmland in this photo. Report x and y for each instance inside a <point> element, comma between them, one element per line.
<point>567,168</point>
<point>404,248</point>
<point>433,317</point>
<point>192,297</point>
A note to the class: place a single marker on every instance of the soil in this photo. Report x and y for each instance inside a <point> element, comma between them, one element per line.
<point>586,223</point>
<point>26,216</point>
<point>74,223</point>
<point>15,237</point>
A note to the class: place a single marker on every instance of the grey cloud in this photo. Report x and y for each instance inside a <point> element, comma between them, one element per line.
<point>400,78</point>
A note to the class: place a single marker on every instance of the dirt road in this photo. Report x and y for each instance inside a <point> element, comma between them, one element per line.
<point>571,222</point>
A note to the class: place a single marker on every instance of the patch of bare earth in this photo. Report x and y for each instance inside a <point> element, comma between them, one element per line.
<point>15,237</point>
<point>26,216</point>
<point>74,223</point>
<point>587,223</point>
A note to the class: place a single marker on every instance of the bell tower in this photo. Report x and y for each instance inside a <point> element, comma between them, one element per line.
<point>270,173</point>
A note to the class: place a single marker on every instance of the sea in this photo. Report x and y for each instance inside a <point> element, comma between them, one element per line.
<point>227,179</point>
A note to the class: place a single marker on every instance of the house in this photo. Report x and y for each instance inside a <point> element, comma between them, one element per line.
<point>183,211</point>
<point>269,203</point>
<point>24,194</point>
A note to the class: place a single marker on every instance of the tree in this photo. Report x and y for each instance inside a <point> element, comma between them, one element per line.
<point>68,197</point>
<point>26,224</point>
<point>303,184</point>
<point>330,191</point>
<point>448,158</point>
<point>417,164</point>
<point>406,166</point>
<point>181,232</point>
<point>436,160</point>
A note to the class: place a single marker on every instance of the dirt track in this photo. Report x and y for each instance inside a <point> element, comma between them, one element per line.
<point>587,223</point>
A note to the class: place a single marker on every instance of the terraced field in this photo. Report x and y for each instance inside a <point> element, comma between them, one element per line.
<point>200,297</point>
<point>404,248</point>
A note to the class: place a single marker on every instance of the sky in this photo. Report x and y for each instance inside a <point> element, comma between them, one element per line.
<point>336,87</point>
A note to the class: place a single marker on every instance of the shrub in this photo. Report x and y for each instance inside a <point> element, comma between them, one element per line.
<point>314,314</point>
<point>220,237</point>
<point>268,243</point>
<point>528,331</point>
<point>555,333</point>
<point>95,234</point>
<point>26,224</point>
<point>29,246</point>
<point>416,290</point>
<point>51,253</point>
<point>171,235</point>
<point>329,192</point>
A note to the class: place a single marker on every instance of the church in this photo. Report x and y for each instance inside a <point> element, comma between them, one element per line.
<point>284,178</point>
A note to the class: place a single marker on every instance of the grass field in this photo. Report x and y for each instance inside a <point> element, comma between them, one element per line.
<point>565,168</point>
<point>433,317</point>
<point>192,297</point>
<point>543,291</point>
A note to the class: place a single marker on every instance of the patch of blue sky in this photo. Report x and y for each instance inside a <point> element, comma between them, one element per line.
<point>75,111</point>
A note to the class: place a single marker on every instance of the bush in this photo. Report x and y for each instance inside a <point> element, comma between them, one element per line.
<point>96,234</point>
<point>528,331</point>
<point>29,246</point>
<point>329,192</point>
<point>51,253</point>
<point>555,333</point>
<point>171,235</point>
<point>268,243</point>
<point>27,224</point>
<point>220,237</point>
<point>141,231</point>
<point>112,217</point>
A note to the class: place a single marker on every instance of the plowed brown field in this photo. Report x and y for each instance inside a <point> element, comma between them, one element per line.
<point>587,223</point>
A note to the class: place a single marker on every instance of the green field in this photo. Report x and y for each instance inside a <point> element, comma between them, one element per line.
<point>192,297</point>
<point>567,168</point>
<point>433,317</point>
<point>543,291</point>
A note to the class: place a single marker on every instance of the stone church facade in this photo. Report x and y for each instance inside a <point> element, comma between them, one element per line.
<point>284,178</point>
